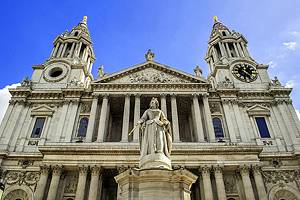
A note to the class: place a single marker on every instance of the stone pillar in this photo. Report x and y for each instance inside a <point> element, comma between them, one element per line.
<point>208,119</point>
<point>55,50</point>
<point>92,118</point>
<point>64,49</point>
<point>244,47</point>
<point>260,186</point>
<point>163,104</point>
<point>60,49</point>
<point>198,121</point>
<point>240,122</point>
<point>218,172</point>
<point>126,115</point>
<point>41,185</point>
<point>222,49</point>
<point>240,50</point>
<point>71,116</point>
<point>175,119</point>
<point>102,120</point>
<point>93,192</point>
<point>56,172</point>
<point>227,50</point>
<point>205,172</point>
<point>72,50</point>
<point>81,183</point>
<point>229,120</point>
<point>236,50</point>
<point>244,170</point>
<point>62,119</point>
<point>137,116</point>
<point>78,47</point>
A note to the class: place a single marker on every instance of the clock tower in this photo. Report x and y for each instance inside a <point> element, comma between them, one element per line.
<point>230,61</point>
<point>70,62</point>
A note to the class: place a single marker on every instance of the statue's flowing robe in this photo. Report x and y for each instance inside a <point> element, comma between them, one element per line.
<point>156,133</point>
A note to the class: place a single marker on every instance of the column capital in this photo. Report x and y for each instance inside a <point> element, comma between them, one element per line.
<point>205,170</point>
<point>57,170</point>
<point>217,169</point>
<point>105,95</point>
<point>244,169</point>
<point>127,94</point>
<point>83,169</point>
<point>256,169</point>
<point>44,169</point>
<point>195,95</point>
<point>173,95</point>
<point>137,95</point>
<point>95,95</point>
<point>95,170</point>
<point>205,94</point>
<point>163,95</point>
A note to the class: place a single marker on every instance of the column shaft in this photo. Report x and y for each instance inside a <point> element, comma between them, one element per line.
<point>126,113</point>
<point>229,121</point>
<point>198,120</point>
<point>81,183</point>
<point>55,50</point>
<point>220,183</point>
<point>236,50</point>
<point>247,183</point>
<point>163,103</point>
<point>205,171</point>
<point>175,119</point>
<point>64,49</point>
<point>228,50</point>
<point>102,120</point>
<point>41,185</point>
<point>137,116</point>
<point>54,183</point>
<point>93,192</point>
<point>260,186</point>
<point>208,119</point>
<point>92,118</point>
<point>72,50</point>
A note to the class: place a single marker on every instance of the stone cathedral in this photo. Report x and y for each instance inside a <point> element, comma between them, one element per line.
<point>65,136</point>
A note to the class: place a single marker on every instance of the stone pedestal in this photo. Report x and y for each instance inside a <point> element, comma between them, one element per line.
<point>135,184</point>
<point>157,160</point>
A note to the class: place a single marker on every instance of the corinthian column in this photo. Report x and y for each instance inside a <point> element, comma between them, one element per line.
<point>205,172</point>
<point>198,121</point>
<point>163,104</point>
<point>41,185</point>
<point>208,119</point>
<point>56,172</point>
<point>137,115</point>
<point>93,192</point>
<point>102,120</point>
<point>81,183</point>
<point>244,170</point>
<point>218,172</point>
<point>175,119</point>
<point>91,124</point>
<point>126,115</point>
<point>260,186</point>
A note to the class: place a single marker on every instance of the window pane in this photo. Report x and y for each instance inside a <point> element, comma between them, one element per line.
<point>217,123</point>
<point>38,127</point>
<point>83,124</point>
<point>262,127</point>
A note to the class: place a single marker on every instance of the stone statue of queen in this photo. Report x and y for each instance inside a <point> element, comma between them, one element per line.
<point>155,138</point>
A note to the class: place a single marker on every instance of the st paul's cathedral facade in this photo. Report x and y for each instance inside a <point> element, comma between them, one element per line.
<point>65,134</point>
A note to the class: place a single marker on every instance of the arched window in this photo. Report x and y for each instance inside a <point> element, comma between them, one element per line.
<point>83,124</point>
<point>217,123</point>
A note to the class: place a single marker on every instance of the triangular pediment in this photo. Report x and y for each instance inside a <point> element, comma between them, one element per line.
<point>150,72</point>
<point>258,110</point>
<point>42,110</point>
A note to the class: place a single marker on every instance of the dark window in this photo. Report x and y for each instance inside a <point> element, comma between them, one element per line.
<point>262,127</point>
<point>217,123</point>
<point>75,34</point>
<point>83,46</point>
<point>223,33</point>
<point>218,50</point>
<point>83,124</point>
<point>231,49</point>
<point>38,127</point>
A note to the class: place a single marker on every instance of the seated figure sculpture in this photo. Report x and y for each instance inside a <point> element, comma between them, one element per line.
<point>155,138</point>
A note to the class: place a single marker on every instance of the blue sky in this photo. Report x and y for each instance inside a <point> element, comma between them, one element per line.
<point>176,30</point>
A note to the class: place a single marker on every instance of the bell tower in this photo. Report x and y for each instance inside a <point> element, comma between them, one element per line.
<point>70,61</point>
<point>230,61</point>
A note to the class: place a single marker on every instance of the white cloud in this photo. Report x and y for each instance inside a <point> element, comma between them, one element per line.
<point>290,45</point>
<point>272,64</point>
<point>4,98</point>
<point>290,84</point>
<point>295,33</point>
<point>298,113</point>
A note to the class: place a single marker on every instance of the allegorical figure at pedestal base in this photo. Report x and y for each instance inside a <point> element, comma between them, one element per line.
<point>155,138</point>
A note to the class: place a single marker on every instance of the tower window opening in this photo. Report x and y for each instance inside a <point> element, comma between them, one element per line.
<point>231,49</point>
<point>218,50</point>
<point>83,46</point>
<point>262,127</point>
<point>223,33</point>
<point>38,127</point>
<point>76,34</point>
<point>68,50</point>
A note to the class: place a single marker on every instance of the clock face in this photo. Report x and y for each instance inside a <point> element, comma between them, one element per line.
<point>244,72</point>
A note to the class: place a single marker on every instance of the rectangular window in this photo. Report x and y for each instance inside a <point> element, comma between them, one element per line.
<point>262,127</point>
<point>38,127</point>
